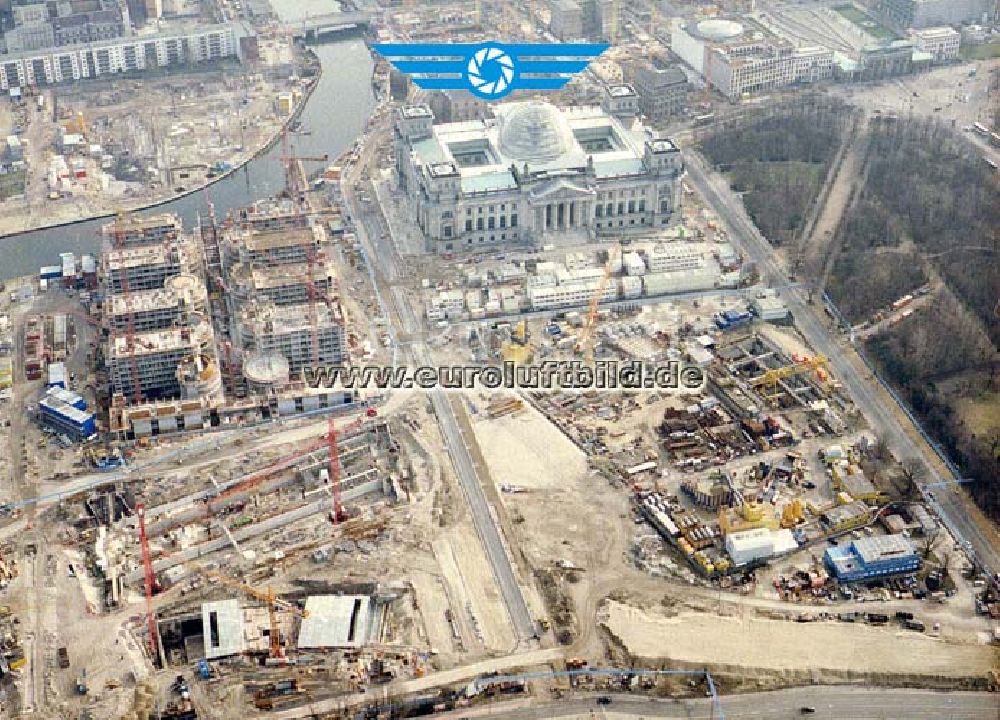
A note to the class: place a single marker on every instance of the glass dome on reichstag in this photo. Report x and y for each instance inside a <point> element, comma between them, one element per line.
<point>534,132</point>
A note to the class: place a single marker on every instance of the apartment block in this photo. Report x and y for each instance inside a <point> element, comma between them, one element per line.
<point>153,358</point>
<point>288,330</point>
<point>273,247</point>
<point>145,267</point>
<point>100,58</point>
<point>290,286</point>
<point>135,230</point>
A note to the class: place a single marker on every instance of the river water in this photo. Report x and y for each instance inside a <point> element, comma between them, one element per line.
<point>335,114</point>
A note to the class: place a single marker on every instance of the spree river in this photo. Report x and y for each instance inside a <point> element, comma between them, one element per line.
<point>335,114</point>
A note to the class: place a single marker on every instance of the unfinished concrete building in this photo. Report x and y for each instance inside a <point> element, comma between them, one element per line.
<point>287,330</point>
<point>142,267</point>
<point>288,287</point>
<point>159,309</point>
<point>282,294</point>
<point>164,363</point>
<point>281,247</point>
<point>154,230</point>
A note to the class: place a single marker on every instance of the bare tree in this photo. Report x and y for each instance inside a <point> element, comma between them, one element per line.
<point>913,473</point>
<point>928,541</point>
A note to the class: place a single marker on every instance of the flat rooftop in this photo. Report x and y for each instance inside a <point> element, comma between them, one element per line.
<point>292,274</point>
<point>128,257</point>
<point>144,301</point>
<point>291,237</point>
<point>336,621</point>
<point>273,319</point>
<point>156,341</point>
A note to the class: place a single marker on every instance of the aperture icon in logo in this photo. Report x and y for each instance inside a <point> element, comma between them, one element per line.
<point>490,72</point>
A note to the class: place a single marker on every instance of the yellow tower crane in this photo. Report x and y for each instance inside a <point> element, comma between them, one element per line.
<point>268,598</point>
<point>584,344</point>
<point>771,377</point>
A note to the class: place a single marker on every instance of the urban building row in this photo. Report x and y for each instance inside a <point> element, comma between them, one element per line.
<point>200,43</point>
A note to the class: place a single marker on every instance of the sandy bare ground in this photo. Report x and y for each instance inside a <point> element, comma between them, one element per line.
<point>752,642</point>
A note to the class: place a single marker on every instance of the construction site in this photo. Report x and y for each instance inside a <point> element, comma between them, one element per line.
<point>248,545</point>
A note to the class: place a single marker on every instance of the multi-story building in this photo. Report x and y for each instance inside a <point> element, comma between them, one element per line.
<point>872,557</point>
<point>135,230</point>
<point>457,106</point>
<point>532,171</point>
<point>573,19</point>
<point>88,21</point>
<point>903,14</point>
<point>32,29</point>
<point>178,303</point>
<point>145,310</point>
<point>941,42</point>
<point>288,287</point>
<point>282,291</point>
<point>289,331</point>
<point>663,90</point>
<point>156,359</point>
<point>564,288</point>
<point>146,267</point>
<point>566,19</point>
<point>66,412</point>
<point>201,43</point>
<point>670,257</point>
<point>267,248</point>
<point>736,74</point>
<point>738,60</point>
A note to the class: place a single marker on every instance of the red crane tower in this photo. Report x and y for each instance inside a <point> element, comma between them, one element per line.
<point>119,243</point>
<point>149,581</point>
<point>311,291</point>
<point>338,514</point>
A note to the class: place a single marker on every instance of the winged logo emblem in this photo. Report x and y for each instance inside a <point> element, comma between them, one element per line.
<point>490,70</point>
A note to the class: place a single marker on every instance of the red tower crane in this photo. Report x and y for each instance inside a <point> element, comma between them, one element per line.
<point>338,514</point>
<point>311,291</point>
<point>149,581</point>
<point>119,242</point>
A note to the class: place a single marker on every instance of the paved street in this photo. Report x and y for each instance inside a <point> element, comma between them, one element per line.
<point>873,401</point>
<point>482,517</point>
<point>831,703</point>
<point>369,227</point>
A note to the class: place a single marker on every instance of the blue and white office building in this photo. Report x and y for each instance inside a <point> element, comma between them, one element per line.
<point>872,557</point>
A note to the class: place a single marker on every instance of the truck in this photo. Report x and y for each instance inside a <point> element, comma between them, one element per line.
<point>904,615</point>
<point>63,655</point>
<point>731,319</point>
<point>914,625</point>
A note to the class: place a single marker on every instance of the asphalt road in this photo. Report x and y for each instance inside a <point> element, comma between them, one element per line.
<point>482,517</point>
<point>370,230</point>
<point>831,703</point>
<point>860,384</point>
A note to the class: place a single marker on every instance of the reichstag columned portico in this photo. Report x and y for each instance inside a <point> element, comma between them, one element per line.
<point>534,172</point>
